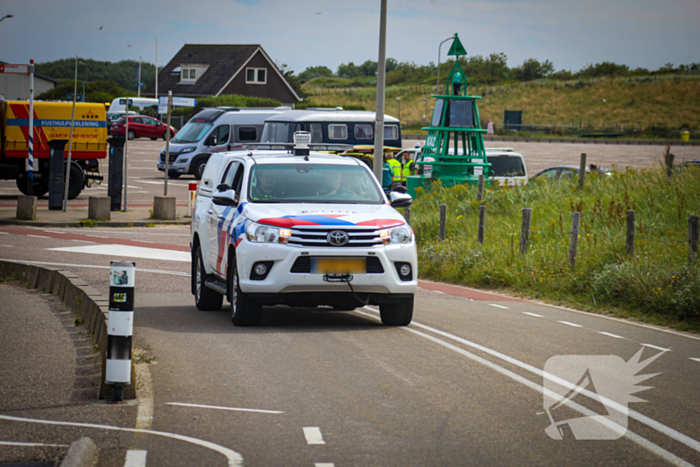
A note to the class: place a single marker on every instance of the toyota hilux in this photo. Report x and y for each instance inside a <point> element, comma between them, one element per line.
<point>300,228</point>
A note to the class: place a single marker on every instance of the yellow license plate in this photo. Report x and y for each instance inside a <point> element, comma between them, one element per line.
<point>339,265</point>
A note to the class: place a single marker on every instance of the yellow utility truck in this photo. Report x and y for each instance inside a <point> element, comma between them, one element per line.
<point>52,123</point>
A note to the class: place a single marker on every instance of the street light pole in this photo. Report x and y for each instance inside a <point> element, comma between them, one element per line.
<point>425,115</point>
<point>7,16</point>
<point>437,88</point>
<point>399,100</point>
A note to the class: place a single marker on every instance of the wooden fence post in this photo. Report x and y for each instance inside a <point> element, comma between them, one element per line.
<point>573,245</point>
<point>582,171</point>
<point>443,221</point>
<point>480,188</point>
<point>669,165</point>
<point>630,232</point>
<point>693,239</point>
<point>482,224</point>
<point>525,230</point>
<point>407,214</point>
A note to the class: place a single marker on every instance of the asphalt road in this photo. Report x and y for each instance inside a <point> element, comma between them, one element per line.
<point>463,385</point>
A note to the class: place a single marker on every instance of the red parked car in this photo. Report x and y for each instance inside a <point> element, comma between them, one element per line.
<point>141,126</point>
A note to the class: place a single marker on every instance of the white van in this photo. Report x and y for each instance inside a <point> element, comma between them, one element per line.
<point>210,131</point>
<point>140,102</point>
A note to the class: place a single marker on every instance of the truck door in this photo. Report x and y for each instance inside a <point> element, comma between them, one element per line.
<point>220,219</point>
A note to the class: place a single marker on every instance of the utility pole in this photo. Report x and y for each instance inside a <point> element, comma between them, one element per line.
<point>381,78</point>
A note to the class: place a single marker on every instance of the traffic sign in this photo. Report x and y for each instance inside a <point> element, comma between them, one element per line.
<point>78,97</point>
<point>123,101</point>
<point>9,68</point>
<point>178,101</point>
<point>163,109</point>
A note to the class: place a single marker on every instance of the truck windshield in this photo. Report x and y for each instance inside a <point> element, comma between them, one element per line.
<point>506,166</point>
<point>313,183</point>
<point>192,132</point>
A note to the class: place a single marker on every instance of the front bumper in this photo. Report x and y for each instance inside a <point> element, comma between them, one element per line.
<point>178,166</point>
<point>280,279</point>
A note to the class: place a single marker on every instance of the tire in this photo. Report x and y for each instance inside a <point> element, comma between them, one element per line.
<point>39,187</point>
<point>397,314</point>
<point>77,182</point>
<point>205,299</point>
<point>199,168</point>
<point>244,310</point>
<point>132,134</point>
<point>173,174</point>
<point>165,135</point>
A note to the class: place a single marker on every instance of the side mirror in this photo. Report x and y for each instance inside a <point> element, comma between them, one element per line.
<point>211,141</point>
<point>225,197</point>
<point>400,200</point>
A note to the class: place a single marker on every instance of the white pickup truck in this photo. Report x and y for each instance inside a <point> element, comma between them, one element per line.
<point>300,228</point>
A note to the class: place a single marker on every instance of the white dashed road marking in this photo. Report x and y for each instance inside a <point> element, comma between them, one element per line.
<point>656,347</point>
<point>610,335</point>
<point>313,435</point>
<point>570,324</point>
<point>695,359</point>
<point>532,314</point>
<point>324,464</point>
<point>499,306</point>
<point>135,458</point>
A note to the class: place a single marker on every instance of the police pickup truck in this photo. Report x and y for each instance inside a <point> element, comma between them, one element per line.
<point>303,229</point>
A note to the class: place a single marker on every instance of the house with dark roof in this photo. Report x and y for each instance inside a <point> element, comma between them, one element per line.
<point>201,70</point>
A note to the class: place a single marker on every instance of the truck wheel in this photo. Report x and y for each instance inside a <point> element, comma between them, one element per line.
<point>244,310</point>
<point>205,299</point>
<point>397,314</point>
<point>132,134</point>
<point>39,188</point>
<point>199,168</point>
<point>76,182</point>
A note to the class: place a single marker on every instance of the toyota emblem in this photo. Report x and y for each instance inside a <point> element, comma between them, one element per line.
<point>338,238</point>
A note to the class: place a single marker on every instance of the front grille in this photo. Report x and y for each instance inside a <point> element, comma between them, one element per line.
<point>302,265</point>
<point>172,158</point>
<point>314,235</point>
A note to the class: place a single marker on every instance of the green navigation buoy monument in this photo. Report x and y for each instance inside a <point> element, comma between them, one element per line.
<point>455,119</point>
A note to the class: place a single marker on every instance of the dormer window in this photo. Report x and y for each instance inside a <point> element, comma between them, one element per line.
<point>256,75</point>
<point>189,74</point>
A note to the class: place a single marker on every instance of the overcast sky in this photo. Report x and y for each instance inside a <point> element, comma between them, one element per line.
<point>569,33</point>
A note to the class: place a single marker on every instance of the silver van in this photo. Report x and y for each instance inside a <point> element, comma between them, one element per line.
<point>213,130</point>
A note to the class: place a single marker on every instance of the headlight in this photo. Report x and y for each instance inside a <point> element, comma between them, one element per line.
<point>186,150</point>
<point>266,234</point>
<point>397,235</point>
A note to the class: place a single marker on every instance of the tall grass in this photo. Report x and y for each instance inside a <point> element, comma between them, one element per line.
<point>656,280</point>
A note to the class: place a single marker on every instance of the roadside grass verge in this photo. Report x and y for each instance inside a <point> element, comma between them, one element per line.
<point>655,284</point>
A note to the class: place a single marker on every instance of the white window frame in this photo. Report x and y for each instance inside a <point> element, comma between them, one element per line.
<point>255,75</point>
<point>188,71</point>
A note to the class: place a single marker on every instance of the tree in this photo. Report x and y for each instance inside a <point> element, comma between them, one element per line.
<point>532,69</point>
<point>603,69</point>
<point>312,72</point>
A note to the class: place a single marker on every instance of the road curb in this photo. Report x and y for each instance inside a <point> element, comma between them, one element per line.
<point>85,301</point>
<point>81,453</point>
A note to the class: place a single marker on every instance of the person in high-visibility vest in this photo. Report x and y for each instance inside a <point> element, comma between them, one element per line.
<point>408,167</point>
<point>395,167</point>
